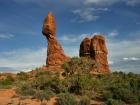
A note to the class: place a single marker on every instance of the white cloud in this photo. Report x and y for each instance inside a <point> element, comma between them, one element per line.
<point>88,14</point>
<point>100,2</point>
<point>23,59</point>
<point>67,38</point>
<point>72,38</point>
<point>6,36</point>
<point>132,2</point>
<point>114,33</point>
<point>134,58</point>
<point>78,3</point>
<point>85,15</point>
<point>96,33</point>
<point>120,49</point>
<point>125,59</point>
<point>110,62</point>
<point>111,2</point>
<point>51,3</point>
<point>131,59</point>
<point>98,9</point>
<point>124,53</point>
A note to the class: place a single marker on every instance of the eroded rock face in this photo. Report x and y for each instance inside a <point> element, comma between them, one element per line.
<point>55,53</point>
<point>85,47</point>
<point>97,51</point>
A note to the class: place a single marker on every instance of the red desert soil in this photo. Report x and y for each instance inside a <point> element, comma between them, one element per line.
<point>9,97</point>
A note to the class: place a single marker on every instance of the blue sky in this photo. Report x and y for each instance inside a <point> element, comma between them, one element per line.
<point>23,47</point>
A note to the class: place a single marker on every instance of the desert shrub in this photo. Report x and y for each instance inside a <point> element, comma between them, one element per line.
<point>124,94</point>
<point>63,86</point>
<point>66,99</point>
<point>43,95</point>
<point>43,84</point>
<point>84,101</point>
<point>7,82</point>
<point>78,84</point>
<point>75,86</point>
<point>131,75</point>
<point>25,89</point>
<point>46,73</point>
<point>47,80</point>
<point>40,95</point>
<point>107,95</point>
<point>79,66</point>
<point>22,76</point>
<point>49,94</point>
<point>134,85</point>
<point>114,102</point>
<point>119,86</point>
<point>114,88</point>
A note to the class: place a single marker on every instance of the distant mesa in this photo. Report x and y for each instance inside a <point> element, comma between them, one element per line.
<point>55,53</point>
<point>95,48</point>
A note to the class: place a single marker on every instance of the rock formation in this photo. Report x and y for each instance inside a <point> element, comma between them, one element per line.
<point>55,53</point>
<point>99,52</point>
<point>85,48</point>
<point>95,48</point>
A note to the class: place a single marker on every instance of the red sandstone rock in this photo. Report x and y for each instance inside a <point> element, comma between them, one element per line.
<point>55,53</point>
<point>97,51</point>
<point>85,47</point>
<point>49,26</point>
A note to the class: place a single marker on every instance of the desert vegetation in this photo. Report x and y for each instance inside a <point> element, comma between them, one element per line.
<point>6,82</point>
<point>79,86</point>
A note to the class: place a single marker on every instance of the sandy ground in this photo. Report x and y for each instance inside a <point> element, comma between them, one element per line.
<point>9,97</point>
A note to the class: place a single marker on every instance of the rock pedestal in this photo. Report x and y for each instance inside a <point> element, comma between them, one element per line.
<point>55,53</point>
<point>95,48</point>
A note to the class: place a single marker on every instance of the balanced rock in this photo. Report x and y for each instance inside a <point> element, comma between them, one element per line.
<point>55,53</point>
<point>97,51</point>
<point>49,26</point>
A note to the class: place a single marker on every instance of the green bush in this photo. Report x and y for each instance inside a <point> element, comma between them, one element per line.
<point>107,95</point>
<point>114,102</point>
<point>40,95</point>
<point>79,66</point>
<point>25,89</point>
<point>48,80</point>
<point>84,101</point>
<point>115,88</point>
<point>7,82</point>
<point>78,84</point>
<point>22,76</point>
<point>43,95</point>
<point>45,82</point>
<point>124,94</point>
<point>66,99</point>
